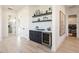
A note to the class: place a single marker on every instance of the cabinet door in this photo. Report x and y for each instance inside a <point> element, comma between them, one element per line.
<point>35,36</point>
<point>38,37</point>
<point>31,35</point>
<point>46,38</point>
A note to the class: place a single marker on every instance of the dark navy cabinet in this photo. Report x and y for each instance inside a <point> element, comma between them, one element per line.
<point>35,36</point>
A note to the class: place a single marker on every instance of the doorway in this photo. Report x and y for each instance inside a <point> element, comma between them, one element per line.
<point>72,25</point>
<point>11,25</point>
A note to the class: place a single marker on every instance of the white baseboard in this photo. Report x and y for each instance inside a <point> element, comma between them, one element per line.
<point>27,38</point>
<point>60,43</point>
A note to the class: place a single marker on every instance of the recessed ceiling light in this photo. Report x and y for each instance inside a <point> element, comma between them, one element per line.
<point>10,8</point>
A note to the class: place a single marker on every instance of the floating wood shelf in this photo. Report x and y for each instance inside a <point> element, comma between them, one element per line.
<point>41,21</point>
<point>49,13</point>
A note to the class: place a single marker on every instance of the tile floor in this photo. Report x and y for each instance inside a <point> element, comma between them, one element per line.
<point>12,45</point>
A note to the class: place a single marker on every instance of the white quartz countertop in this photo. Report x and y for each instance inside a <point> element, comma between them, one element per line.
<point>46,31</point>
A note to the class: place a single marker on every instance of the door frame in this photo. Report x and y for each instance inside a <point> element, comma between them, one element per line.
<point>76,24</point>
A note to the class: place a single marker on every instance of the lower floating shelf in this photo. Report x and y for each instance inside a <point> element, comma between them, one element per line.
<point>41,21</point>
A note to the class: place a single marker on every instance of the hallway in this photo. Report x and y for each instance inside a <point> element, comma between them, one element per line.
<point>12,45</point>
<point>70,45</point>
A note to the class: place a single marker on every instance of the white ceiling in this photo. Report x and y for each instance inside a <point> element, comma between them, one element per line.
<point>18,7</point>
<point>72,6</point>
<point>13,7</point>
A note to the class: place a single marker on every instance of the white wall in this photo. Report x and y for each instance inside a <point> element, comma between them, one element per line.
<point>56,38</point>
<point>72,20</point>
<point>74,11</point>
<point>0,23</point>
<point>23,19</point>
<point>4,24</point>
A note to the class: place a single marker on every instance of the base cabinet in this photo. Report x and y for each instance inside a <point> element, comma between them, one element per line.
<point>41,37</point>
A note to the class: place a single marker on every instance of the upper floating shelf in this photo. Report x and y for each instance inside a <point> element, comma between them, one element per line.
<point>49,13</point>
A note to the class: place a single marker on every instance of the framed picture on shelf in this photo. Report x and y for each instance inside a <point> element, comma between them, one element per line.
<point>62,23</point>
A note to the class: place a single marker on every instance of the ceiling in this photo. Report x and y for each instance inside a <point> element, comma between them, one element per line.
<point>13,7</point>
<point>72,6</point>
<point>18,7</point>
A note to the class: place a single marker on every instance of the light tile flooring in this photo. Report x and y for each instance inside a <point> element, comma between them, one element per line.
<point>70,45</point>
<point>12,45</point>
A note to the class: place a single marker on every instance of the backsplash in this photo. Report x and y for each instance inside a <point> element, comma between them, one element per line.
<point>42,25</point>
